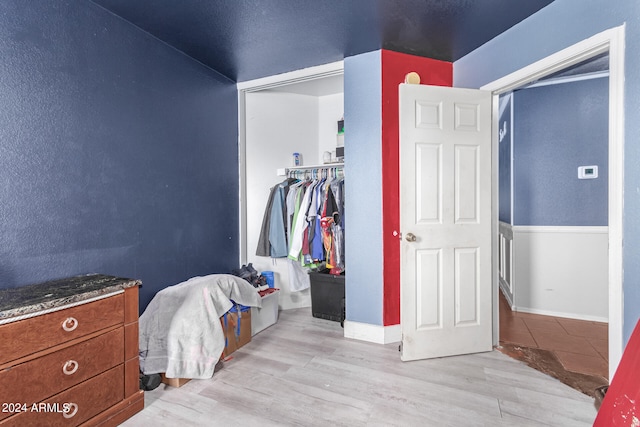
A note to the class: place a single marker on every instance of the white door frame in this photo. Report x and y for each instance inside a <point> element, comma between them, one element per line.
<point>270,82</point>
<point>613,41</point>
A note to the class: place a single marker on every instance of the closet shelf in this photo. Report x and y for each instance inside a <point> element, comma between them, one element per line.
<point>284,171</point>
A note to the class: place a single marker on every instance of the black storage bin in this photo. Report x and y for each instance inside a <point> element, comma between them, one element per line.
<point>327,295</point>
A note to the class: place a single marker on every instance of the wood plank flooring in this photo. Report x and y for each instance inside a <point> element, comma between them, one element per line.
<point>303,372</point>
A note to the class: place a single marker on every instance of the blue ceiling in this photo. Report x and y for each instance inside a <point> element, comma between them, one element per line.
<point>247,39</point>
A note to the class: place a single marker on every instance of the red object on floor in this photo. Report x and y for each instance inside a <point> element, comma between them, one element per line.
<point>621,403</point>
<point>268,291</point>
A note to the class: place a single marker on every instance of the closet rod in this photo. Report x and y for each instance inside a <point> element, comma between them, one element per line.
<point>323,166</point>
<point>285,171</point>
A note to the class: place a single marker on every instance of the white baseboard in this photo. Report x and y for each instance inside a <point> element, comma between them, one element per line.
<point>372,333</point>
<point>563,315</point>
<point>506,294</point>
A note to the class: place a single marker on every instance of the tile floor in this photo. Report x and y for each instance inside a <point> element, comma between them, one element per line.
<point>580,346</point>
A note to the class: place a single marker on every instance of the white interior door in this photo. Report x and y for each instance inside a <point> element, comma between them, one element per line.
<point>445,220</point>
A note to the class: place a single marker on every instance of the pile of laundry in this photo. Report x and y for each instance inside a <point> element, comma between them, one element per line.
<point>251,275</point>
<point>180,332</point>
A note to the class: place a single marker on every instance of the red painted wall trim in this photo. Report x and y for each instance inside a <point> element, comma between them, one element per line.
<point>621,402</point>
<point>394,68</point>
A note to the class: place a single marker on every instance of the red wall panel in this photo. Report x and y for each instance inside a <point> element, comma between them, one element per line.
<point>395,66</point>
<point>620,407</point>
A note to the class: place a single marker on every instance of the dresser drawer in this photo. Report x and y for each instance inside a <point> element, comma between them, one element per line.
<point>41,378</point>
<point>84,401</point>
<point>25,337</point>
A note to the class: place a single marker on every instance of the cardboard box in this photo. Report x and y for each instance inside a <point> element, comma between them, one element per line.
<point>267,315</point>
<point>174,382</point>
<point>236,325</point>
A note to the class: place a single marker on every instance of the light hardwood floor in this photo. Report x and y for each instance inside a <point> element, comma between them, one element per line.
<point>303,372</point>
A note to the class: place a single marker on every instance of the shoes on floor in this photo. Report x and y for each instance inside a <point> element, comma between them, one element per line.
<point>149,382</point>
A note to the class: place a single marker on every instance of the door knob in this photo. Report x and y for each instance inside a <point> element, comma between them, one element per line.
<point>411,237</point>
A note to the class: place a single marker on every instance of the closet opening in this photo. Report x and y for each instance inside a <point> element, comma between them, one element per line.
<point>288,130</point>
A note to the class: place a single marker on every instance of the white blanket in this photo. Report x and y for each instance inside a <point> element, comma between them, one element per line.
<point>180,330</point>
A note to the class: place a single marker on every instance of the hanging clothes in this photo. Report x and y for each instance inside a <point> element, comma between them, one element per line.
<point>337,188</point>
<point>316,248</point>
<point>263,241</point>
<point>273,234</point>
<point>277,231</point>
<point>304,222</point>
<point>299,225</point>
<point>298,277</point>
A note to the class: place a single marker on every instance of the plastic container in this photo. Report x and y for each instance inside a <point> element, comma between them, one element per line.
<point>297,159</point>
<point>267,315</point>
<point>327,296</point>
<point>270,278</point>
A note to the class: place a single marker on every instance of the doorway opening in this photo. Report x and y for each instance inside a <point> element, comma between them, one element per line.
<point>553,224</point>
<point>605,48</point>
<point>278,116</point>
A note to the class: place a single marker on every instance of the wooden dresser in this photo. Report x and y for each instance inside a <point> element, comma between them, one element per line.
<point>69,353</point>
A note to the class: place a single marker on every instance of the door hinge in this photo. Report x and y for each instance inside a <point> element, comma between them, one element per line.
<point>400,347</point>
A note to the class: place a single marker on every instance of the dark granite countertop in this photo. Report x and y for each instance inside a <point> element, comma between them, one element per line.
<point>29,299</point>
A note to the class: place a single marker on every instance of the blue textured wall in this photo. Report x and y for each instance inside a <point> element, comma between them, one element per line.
<point>504,160</point>
<point>557,26</point>
<point>118,154</point>
<point>556,129</point>
<point>363,187</point>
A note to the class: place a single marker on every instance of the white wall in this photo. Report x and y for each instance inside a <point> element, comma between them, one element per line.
<point>331,109</point>
<point>278,124</point>
<point>561,271</point>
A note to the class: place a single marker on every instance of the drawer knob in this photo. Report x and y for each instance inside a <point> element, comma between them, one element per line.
<point>71,412</point>
<point>70,367</point>
<point>70,324</point>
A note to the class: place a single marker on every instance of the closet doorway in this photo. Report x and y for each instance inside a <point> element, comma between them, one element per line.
<point>295,112</point>
<point>589,51</point>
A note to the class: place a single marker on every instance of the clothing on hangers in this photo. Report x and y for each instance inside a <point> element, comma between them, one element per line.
<point>304,222</point>
<point>273,238</point>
